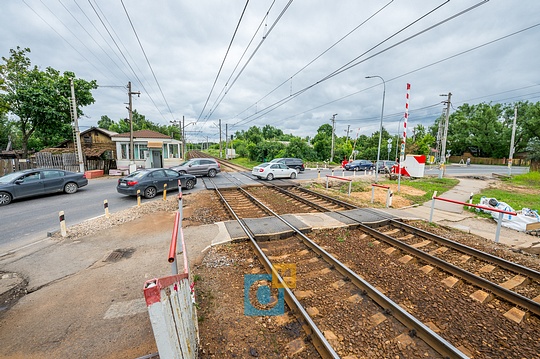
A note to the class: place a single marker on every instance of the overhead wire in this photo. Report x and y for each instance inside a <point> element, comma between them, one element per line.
<point>255,51</point>
<point>317,57</point>
<point>224,59</point>
<point>125,59</point>
<point>146,57</point>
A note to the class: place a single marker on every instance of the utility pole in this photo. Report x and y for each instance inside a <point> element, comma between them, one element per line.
<point>445,135</point>
<point>184,156</point>
<point>333,119</point>
<point>76,125</point>
<point>226,141</point>
<point>348,129</point>
<point>132,166</point>
<point>220,153</point>
<point>511,156</point>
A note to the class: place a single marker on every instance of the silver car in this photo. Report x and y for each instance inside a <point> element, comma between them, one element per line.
<point>199,167</point>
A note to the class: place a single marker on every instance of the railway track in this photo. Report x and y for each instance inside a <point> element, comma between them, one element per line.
<point>478,283</point>
<point>331,292</point>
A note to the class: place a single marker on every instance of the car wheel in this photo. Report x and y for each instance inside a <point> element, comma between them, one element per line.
<point>191,183</point>
<point>298,169</point>
<point>270,177</point>
<point>150,192</point>
<point>293,175</point>
<point>5,198</point>
<point>212,173</point>
<point>71,188</point>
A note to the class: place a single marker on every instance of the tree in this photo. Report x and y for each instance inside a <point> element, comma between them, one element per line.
<point>105,122</point>
<point>40,99</point>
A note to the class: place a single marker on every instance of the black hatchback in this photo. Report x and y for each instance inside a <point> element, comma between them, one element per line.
<point>151,181</point>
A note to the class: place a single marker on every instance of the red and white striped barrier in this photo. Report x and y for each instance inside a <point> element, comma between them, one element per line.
<point>171,303</point>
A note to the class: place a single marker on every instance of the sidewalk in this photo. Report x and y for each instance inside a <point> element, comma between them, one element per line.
<point>453,215</point>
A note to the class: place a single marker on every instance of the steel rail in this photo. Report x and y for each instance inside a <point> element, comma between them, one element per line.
<point>328,198</point>
<point>501,292</point>
<point>300,199</point>
<point>511,266</point>
<point>435,341</point>
<point>319,341</point>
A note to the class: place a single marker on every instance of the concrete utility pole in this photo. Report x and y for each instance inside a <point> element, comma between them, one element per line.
<point>445,134</point>
<point>76,125</point>
<point>184,138</point>
<point>348,130</point>
<point>220,153</point>
<point>226,141</point>
<point>333,119</point>
<point>132,166</point>
<point>511,156</point>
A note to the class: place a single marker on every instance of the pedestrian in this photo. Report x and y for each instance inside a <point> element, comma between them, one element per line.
<point>468,161</point>
<point>344,162</point>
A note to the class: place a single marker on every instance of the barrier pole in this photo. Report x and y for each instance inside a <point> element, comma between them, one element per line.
<point>172,247</point>
<point>106,207</point>
<point>498,232</point>
<point>432,206</point>
<point>138,198</point>
<point>180,202</point>
<point>63,229</point>
<point>165,192</point>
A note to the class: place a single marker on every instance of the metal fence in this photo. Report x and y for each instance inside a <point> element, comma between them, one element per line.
<point>64,161</point>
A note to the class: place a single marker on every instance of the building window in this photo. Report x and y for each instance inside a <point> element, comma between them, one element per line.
<point>87,139</point>
<point>170,150</point>
<point>139,151</point>
<point>124,155</point>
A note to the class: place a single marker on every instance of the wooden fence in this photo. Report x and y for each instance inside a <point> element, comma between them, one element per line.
<point>64,161</point>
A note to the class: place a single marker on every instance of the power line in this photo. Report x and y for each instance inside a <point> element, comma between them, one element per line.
<point>225,58</point>
<point>146,57</point>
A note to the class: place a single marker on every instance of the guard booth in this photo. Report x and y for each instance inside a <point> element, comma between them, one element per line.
<point>413,166</point>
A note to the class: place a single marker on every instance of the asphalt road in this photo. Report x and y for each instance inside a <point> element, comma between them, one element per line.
<point>26,221</point>
<point>29,220</point>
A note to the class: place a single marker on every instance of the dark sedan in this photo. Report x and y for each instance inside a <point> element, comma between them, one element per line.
<point>36,182</point>
<point>359,165</point>
<point>151,181</point>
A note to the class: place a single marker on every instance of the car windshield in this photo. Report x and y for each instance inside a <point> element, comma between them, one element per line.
<point>10,177</point>
<point>266,164</point>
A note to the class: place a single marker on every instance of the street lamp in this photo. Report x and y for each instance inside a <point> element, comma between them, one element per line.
<point>380,127</point>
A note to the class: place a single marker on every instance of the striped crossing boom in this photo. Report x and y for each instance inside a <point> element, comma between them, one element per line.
<point>406,117</point>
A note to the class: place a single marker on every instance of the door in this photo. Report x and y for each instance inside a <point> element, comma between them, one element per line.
<point>156,159</point>
<point>53,181</point>
<point>28,185</point>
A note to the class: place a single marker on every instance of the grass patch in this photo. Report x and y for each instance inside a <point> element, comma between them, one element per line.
<point>428,185</point>
<point>246,162</point>
<point>528,180</point>
<point>520,191</point>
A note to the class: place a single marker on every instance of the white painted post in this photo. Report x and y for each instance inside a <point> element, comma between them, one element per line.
<point>499,222</point>
<point>63,229</point>
<point>432,206</point>
<point>350,185</point>
<point>470,198</point>
<point>106,207</point>
<point>389,198</point>
<point>372,193</point>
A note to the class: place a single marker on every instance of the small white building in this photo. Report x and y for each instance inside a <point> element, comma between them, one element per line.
<point>151,149</point>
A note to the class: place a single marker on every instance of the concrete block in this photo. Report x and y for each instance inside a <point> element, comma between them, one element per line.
<point>516,315</point>
<point>481,296</point>
<point>451,282</point>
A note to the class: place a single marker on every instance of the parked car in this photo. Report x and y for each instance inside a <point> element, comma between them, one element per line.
<point>199,167</point>
<point>359,165</point>
<point>295,163</point>
<point>36,182</point>
<point>270,171</point>
<point>151,181</point>
<point>386,166</point>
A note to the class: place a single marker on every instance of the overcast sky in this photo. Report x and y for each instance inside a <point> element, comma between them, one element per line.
<point>290,64</point>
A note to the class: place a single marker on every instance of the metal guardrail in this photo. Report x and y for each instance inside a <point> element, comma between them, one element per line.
<point>340,179</point>
<point>388,193</point>
<point>500,211</point>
